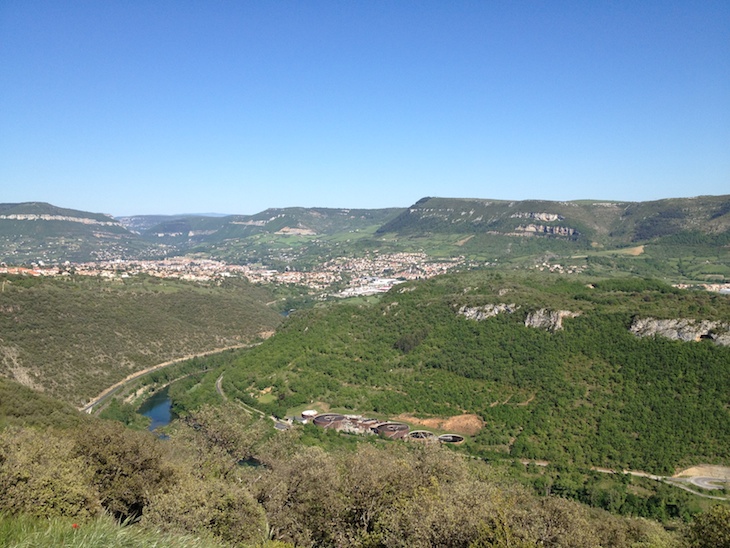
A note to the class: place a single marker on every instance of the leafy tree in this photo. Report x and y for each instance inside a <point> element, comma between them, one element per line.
<point>711,529</point>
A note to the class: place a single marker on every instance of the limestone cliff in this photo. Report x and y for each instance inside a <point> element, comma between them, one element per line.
<point>479,313</point>
<point>551,320</point>
<point>683,329</point>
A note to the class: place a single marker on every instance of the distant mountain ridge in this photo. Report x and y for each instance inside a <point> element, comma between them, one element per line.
<point>37,231</point>
<point>605,222</point>
<point>480,228</point>
<point>29,209</point>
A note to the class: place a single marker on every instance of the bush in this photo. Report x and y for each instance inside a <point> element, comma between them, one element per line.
<point>711,529</point>
<point>40,476</point>
<point>223,508</point>
<point>126,466</point>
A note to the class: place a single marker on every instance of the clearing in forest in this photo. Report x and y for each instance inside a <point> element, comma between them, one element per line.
<point>467,424</point>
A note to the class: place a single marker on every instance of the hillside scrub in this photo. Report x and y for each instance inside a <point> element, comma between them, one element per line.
<point>383,494</point>
<point>75,336</point>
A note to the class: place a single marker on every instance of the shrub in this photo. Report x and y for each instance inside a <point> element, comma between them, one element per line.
<point>126,466</point>
<point>40,476</point>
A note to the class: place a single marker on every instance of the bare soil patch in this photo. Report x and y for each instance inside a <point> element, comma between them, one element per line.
<point>706,470</point>
<point>463,241</point>
<point>466,424</point>
<point>635,251</point>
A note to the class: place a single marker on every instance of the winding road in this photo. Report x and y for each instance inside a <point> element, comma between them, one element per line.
<point>686,482</point>
<point>106,393</point>
<point>706,483</point>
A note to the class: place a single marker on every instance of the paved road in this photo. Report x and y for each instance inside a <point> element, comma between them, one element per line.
<point>683,483</point>
<point>89,407</point>
<point>709,483</point>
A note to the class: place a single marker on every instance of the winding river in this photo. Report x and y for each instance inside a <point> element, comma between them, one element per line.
<point>159,409</point>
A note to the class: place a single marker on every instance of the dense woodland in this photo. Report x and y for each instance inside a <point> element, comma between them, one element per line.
<point>591,393</point>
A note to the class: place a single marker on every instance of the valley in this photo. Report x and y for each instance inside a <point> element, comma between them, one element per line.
<point>581,349</point>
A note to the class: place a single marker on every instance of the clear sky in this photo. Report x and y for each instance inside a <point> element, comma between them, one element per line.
<point>140,107</point>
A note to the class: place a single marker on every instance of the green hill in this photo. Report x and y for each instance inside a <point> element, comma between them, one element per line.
<point>589,392</point>
<point>587,221</point>
<point>72,337</point>
<point>36,231</point>
<point>682,239</point>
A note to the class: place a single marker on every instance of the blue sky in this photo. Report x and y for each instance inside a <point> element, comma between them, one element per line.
<point>141,107</point>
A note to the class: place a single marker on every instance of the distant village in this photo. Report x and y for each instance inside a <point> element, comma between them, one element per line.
<point>361,276</point>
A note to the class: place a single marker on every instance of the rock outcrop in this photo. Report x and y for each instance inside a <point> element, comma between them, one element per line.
<point>551,320</point>
<point>683,329</point>
<point>545,217</point>
<point>480,313</point>
<point>547,229</point>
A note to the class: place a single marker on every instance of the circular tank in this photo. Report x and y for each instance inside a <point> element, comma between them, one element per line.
<point>451,438</point>
<point>393,430</point>
<point>328,420</point>
<point>421,435</point>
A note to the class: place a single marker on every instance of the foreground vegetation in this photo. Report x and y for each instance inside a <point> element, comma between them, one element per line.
<point>30,532</point>
<point>224,478</point>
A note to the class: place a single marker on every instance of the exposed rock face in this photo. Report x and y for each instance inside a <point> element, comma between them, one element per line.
<point>683,329</point>
<point>546,229</point>
<point>551,320</point>
<point>545,217</point>
<point>46,217</point>
<point>479,313</point>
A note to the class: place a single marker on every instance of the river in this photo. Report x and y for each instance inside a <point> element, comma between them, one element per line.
<point>159,409</point>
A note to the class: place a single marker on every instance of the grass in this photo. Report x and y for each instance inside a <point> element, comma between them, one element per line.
<point>363,299</point>
<point>266,398</point>
<point>28,532</point>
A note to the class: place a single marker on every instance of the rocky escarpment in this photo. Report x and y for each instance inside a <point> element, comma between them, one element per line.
<point>483,312</point>
<point>545,217</point>
<point>683,329</point>
<point>552,320</point>
<point>480,313</point>
<point>547,229</point>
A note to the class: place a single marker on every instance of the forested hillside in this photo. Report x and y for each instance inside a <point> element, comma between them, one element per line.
<point>549,366</point>
<point>554,374</point>
<point>605,223</point>
<point>74,336</point>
